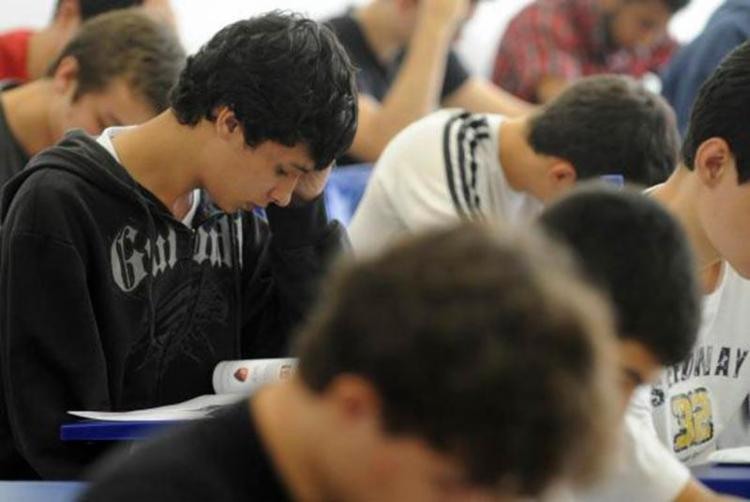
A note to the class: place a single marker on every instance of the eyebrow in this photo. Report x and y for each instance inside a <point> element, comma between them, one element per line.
<point>302,168</point>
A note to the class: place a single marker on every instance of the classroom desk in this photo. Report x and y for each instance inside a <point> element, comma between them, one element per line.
<point>727,479</point>
<point>39,491</point>
<point>98,430</point>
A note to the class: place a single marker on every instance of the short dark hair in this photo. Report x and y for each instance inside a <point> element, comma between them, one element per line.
<point>485,346</point>
<point>638,254</point>
<point>91,8</point>
<point>721,110</point>
<point>675,5</point>
<point>286,78</point>
<point>126,44</point>
<point>609,124</point>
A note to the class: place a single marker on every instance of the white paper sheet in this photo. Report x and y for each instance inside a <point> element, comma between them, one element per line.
<point>192,409</point>
<point>731,456</point>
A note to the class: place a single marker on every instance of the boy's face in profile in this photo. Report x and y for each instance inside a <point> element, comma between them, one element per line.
<point>636,23</point>
<point>724,208</point>
<point>241,177</point>
<point>115,104</point>
<point>93,112</point>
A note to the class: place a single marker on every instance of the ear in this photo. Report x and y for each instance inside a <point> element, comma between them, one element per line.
<point>561,175</point>
<point>65,76</point>
<point>354,398</point>
<point>713,161</point>
<point>227,125</point>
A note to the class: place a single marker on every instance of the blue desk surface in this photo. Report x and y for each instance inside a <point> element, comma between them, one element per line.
<point>727,479</point>
<point>96,430</point>
<point>39,491</point>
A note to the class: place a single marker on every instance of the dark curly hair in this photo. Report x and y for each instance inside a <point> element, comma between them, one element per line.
<point>286,78</point>
<point>484,345</point>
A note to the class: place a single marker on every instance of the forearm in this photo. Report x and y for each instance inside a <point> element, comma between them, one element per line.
<point>480,96</point>
<point>286,267</point>
<point>414,93</point>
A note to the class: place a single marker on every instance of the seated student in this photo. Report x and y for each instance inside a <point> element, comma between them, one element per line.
<point>630,247</point>
<point>406,68</point>
<point>26,54</point>
<point>454,164</point>
<point>728,27</point>
<point>696,401</point>
<point>411,389</point>
<point>117,70</point>
<point>551,43</point>
<point>133,263</point>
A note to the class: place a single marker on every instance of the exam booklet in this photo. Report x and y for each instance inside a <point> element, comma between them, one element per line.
<point>232,382</point>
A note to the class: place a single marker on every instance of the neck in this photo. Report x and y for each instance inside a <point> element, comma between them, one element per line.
<point>282,415</point>
<point>679,195</point>
<point>376,21</point>
<point>163,156</point>
<point>518,160</point>
<point>27,110</point>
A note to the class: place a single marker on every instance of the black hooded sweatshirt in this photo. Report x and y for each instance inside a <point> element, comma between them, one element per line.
<point>109,303</point>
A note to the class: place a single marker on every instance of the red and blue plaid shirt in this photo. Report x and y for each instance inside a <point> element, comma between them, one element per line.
<point>566,39</point>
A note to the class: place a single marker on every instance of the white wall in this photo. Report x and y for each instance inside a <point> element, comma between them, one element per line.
<point>199,19</point>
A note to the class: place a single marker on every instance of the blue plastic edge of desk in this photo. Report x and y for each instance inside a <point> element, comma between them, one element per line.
<point>96,430</point>
<point>726,479</point>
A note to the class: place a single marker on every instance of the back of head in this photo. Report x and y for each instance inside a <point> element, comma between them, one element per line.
<point>286,78</point>
<point>721,110</point>
<point>91,8</point>
<point>486,347</point>
<point>130,45</point>
<point>609,125</point>
<point>638,254</point>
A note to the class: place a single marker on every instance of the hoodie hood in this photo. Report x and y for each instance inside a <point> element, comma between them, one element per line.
<point>84,157</point>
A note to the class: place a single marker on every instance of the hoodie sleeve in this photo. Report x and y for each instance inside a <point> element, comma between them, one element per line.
<point>283,263</point>
<point>51,356</point>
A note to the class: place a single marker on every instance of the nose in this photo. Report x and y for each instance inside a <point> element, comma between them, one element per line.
<point>282,192</point>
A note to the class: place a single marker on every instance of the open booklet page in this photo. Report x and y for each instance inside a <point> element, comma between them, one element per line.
<point>232,382</point>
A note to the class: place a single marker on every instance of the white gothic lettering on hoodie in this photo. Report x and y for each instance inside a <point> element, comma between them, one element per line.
<point>130,254</point>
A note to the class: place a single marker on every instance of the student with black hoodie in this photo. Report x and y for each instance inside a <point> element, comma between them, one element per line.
<point>131,264</point>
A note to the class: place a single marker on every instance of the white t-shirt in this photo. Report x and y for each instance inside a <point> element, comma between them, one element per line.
<point>644,469</point>
<point>440,169</point>
<point>105,140</point>
<point>695,402</point>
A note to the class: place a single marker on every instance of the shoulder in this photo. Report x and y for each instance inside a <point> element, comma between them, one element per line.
<point>419,144</point>
<point>644,469</point>
<point>49,202</point>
